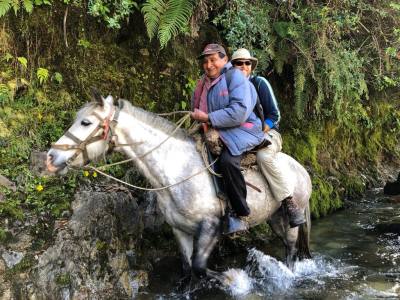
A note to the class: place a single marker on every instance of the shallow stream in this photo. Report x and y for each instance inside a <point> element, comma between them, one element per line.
<point>356,255</point>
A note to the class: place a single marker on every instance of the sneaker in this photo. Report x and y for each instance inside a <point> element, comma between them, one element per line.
<point>296,216</point>
<point>235,224</point>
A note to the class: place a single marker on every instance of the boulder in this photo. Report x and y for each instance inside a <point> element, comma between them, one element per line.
<point>4,181</point>
<point>392,188</point>
<point>94,251</point>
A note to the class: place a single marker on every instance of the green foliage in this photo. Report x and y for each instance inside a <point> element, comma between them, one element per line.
<point>42,75</point>
<point>325,197</point>
<point>84,43</point>
<point>327,47</point>
<point>245,25</point>
<point>4,236</point>
<point>23,61</point>
<point>27,5</point>
<point>166,18</point>
<point>63,279</point>
<point>112,12</point>
<point>57,77</point>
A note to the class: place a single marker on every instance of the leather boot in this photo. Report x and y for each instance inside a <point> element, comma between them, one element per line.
<point>296,216</point>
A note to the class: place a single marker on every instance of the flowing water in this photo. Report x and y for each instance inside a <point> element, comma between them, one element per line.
<point>356,255</point>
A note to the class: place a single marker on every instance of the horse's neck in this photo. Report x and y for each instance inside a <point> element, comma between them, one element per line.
<point>162,165</point>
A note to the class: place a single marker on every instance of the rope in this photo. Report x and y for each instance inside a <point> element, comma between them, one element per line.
<point>205,159</point>
<point>180,122</point>
<point>152,189</point>
<point>175,112</point>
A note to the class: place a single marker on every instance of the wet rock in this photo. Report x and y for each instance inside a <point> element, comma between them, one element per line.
<point>92,251</point>
<point>11,258</point>
<point>392,188</point>
<point>4,181</point>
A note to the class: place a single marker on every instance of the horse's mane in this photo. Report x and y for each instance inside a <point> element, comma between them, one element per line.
<point>143,115</point>
<point>150,118</point>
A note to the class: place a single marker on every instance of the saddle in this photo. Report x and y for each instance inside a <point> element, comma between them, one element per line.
<point>215,146</point>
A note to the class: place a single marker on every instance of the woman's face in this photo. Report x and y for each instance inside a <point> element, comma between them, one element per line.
<point>243,65</point>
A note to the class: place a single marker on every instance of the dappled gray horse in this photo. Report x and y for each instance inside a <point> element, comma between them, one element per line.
<point>190,207</point>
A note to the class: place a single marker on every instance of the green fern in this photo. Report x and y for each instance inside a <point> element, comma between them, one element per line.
<point>28,5</point>
<point>166,19</point>
<point>5,6</point>
<point>152,11</point>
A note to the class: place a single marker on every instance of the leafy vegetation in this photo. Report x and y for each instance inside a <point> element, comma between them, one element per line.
<point>166,19</point>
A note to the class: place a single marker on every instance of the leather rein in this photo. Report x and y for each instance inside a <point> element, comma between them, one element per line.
<point>107,124</point>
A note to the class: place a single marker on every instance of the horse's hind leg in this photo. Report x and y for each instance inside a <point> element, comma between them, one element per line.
<point>204,241</point>
<point>280,225</point>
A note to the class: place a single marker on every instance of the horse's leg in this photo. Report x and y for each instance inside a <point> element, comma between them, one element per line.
<point>205,239</point>
<point>186,245</point>
<point>185,242</point>
<point>280,225</point>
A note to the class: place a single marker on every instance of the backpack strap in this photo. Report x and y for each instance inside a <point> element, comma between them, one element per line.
<point>258,109</point>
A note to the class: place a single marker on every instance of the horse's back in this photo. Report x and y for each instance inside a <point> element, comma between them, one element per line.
<point>261,200</point>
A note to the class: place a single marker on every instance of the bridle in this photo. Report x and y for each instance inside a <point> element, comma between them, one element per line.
<point>107,124</point>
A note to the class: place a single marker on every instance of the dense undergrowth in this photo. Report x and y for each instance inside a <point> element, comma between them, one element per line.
<point>334,68</point>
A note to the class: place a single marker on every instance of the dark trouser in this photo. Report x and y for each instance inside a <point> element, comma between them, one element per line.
<point>235,186</point>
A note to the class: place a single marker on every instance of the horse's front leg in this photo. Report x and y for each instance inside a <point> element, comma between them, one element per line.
<point>205,239</point>
<point>185,241</point>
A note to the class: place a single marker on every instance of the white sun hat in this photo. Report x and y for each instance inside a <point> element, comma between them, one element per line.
<point>244,54</point>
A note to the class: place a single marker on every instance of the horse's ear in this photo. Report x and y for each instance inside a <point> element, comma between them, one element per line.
<point>109,100</point>
<point>97,96</point>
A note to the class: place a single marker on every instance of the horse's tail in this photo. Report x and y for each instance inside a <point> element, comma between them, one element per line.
<point>303,237</point>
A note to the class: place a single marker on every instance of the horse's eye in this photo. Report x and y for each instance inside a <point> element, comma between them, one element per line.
<point>86,122</point>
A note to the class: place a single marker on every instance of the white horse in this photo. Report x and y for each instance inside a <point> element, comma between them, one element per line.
<point>190,207</point>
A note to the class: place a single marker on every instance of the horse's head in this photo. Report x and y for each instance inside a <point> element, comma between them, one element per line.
<point>87,139</point>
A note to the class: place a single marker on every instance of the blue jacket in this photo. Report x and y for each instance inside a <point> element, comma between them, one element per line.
<point>272,115</point>
<point>230,111</point>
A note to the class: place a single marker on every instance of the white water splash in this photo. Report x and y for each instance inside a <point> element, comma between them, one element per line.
<point>267,276</point>
<point>238,282</point>
<point>269,271</point>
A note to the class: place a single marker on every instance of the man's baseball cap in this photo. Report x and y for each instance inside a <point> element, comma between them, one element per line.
<point>211,49</point>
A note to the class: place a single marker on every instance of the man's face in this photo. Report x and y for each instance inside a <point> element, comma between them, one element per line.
<point>213,64</point>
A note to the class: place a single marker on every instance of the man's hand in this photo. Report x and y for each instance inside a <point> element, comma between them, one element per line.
<point>199,115</point>
<point>266,128</point>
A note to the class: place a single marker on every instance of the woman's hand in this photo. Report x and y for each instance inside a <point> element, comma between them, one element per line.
<point>267,128</point>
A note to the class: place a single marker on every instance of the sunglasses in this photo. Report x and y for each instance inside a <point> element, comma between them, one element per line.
<point>240,63</point>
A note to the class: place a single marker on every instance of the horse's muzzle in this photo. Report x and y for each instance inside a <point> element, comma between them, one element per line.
<point>52,168</point>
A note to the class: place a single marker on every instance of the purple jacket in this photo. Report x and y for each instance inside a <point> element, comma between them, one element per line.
<point>230,111</point>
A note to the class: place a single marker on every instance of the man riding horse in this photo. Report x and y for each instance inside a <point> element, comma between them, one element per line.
<point>225,98</point>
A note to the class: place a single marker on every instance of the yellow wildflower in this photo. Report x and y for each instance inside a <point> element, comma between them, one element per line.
<point>86,173</point>
<point>39,187</point>
<point>94,174</point>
